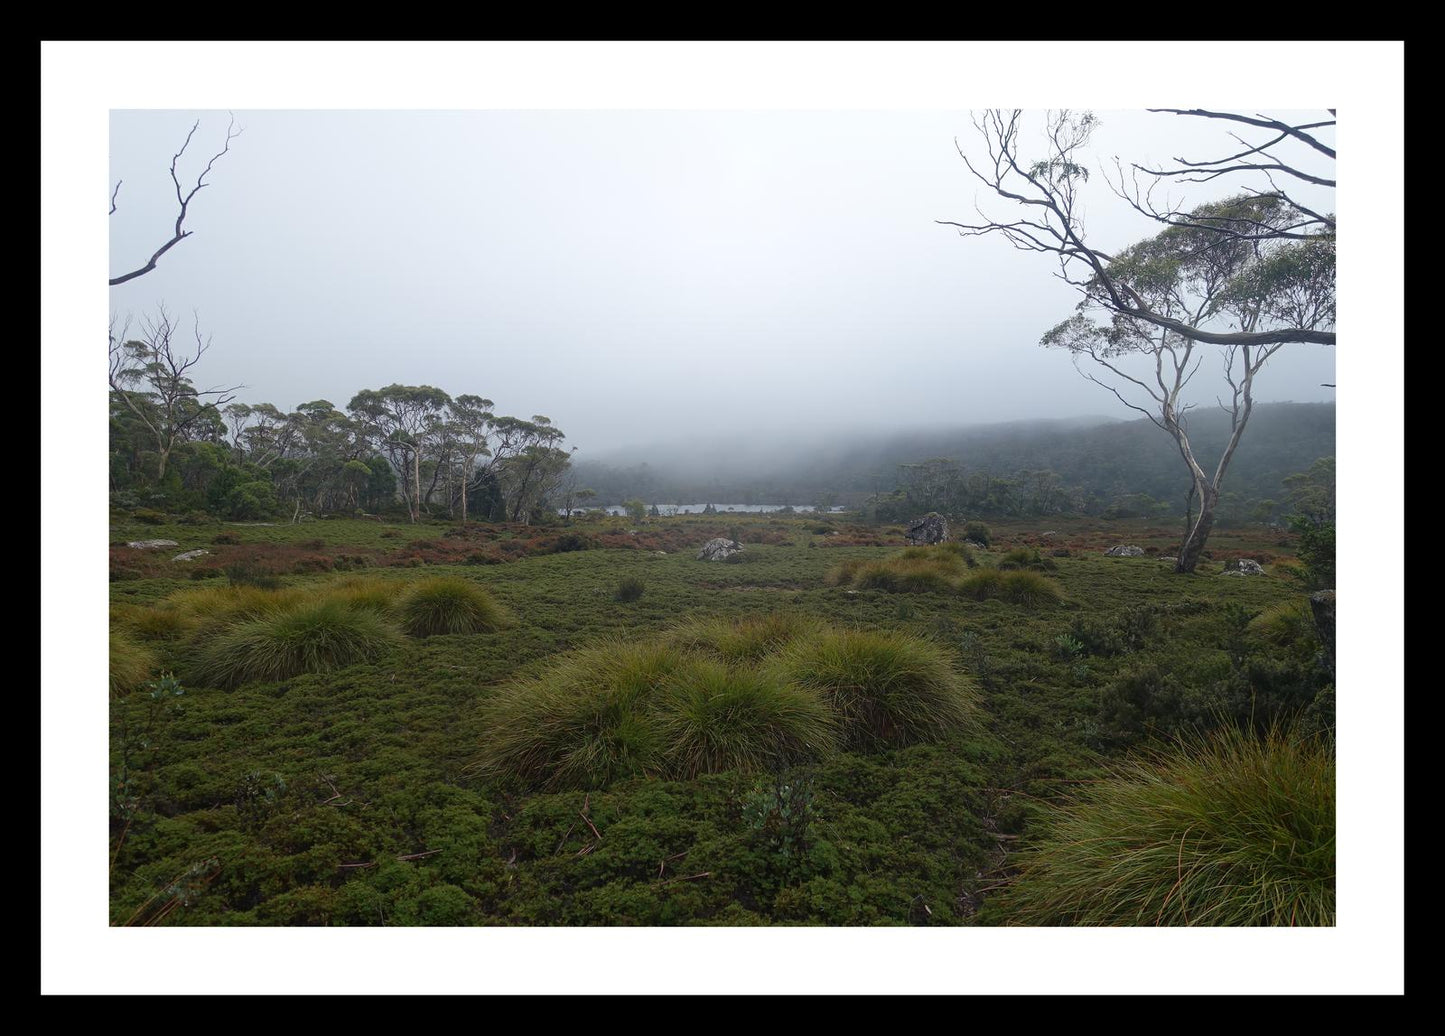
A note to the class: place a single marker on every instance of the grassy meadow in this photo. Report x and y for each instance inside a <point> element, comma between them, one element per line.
<point>354,722</point>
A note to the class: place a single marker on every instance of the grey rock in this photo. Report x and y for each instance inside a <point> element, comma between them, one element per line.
<point>976,544</point>
<point>931,528</point>
<point>1172,561</point>
<point>151,544</point>
<point>719,549</point>
<point>1243,567</point>
<point>190,555</point>
<point>1124,550</point>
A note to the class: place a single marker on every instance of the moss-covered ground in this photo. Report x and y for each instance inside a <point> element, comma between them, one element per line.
<point>353,796</point>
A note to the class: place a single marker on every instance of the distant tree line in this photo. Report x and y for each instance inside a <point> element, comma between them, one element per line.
<point>403,449</point>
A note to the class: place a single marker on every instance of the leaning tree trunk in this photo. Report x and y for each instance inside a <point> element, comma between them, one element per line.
<point>1194,542</point>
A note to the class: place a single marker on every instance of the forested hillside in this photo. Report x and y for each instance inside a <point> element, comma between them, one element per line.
<point>1027,467</point>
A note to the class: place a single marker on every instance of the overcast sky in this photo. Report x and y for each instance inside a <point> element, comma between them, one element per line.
<point>634,275</point>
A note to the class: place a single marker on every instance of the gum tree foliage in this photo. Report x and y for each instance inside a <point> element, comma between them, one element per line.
<point>1247,274</point>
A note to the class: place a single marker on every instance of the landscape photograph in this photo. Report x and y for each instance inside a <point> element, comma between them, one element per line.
<point>721,518</point>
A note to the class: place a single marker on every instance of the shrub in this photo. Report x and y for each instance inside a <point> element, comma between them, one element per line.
<point>146,516</point>
<point>571,541</point>
<point>448,604</point>
<point>314,636</point>
<point>713,718</point>
<point>629,589</point>
<point>976,531</point>
<point>224,538</point>
<point>1027,558</point>
<point>744,641</point>
<point>131,664</point>
<point>1142,699</point>
<point>251,573</point>
<point>887,688</point>
<point>1229,829</point>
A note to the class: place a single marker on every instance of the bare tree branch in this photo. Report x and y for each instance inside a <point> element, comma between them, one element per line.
<point>183,199</point>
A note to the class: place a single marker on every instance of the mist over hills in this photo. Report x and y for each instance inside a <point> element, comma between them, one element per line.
<point>1102,459</point>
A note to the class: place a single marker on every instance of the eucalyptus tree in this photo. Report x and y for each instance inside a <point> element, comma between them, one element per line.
<point>1248,274</point>
<point>151,377</point>
<point>401,421</point>
<point>471,419</point>
<point>1194,277</point>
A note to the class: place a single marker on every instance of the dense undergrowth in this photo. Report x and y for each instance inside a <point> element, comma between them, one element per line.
<point>338,771</point>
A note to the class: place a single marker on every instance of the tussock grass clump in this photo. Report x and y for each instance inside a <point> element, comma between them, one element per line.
<point>887,688</point>
<point>1017,587</point>
<point>310,637</point>
<point>714,718</point>
<point>448,604</point>
<point>747,640</point>
<point>1228,829</point>
<point>1289,626</point>
<point>912,570</point>
<point>629,589</point>
<point>583,722</point>
<point>131,664</point>
<point>154,623</point>
<point>365,593</point>
<point>224,604</point>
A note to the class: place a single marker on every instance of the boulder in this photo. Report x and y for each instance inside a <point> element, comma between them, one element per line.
<point>1124,550</point>
<point>976,544</point>
<point>152,544</point>
<point>1172,561</point>
<point>719,549</point>
<point>190,555</point>
<point>1243,567</point>
<point>931,528</point>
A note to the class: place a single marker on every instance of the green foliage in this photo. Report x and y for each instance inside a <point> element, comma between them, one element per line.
<point>1231,829</point>
<point>978,532</point>
<point>449,604</point>
<point>308,637</point>
<point>1027,558</point>
<point>1316,550</point>
<point>887,688</point>
<point>629,589</point>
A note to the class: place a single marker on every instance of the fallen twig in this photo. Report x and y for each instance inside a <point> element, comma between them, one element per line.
<point>690,877</point>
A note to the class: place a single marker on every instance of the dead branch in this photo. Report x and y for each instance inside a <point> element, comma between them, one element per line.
<point>183,199</point>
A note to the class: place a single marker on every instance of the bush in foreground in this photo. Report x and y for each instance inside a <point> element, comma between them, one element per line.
<point>584,721</point>
<point>307,638</point>
<point>447,604</point>
<point>887,688</point>
<point>1228,829</point>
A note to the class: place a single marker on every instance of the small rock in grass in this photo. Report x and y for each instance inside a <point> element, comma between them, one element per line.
<point>152,544</point>
<point>1124,550</point>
